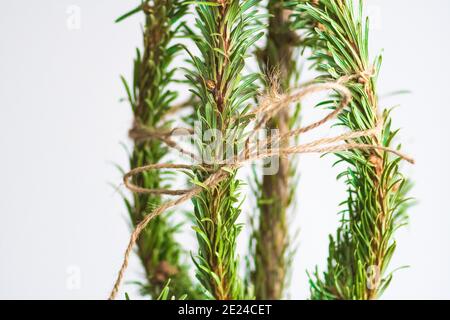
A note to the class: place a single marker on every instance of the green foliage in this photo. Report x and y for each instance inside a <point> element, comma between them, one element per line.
<point>376,204</point>
<point>165,294</point>
<point>226,31</point>
<point>150,99</point>
<point>270,243</point>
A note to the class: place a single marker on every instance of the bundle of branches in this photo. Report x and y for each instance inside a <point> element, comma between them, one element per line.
<point>225,126</point>
<point>151,100</point>
<point>360,252</point>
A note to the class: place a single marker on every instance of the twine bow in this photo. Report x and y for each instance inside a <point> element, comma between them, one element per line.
<point>269,106</point>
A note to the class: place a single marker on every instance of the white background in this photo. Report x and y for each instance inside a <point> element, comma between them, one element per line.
<point>61,123</point>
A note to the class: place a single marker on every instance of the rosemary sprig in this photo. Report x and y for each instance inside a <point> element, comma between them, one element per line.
<point>360,252</point>
<point>150,99</point>
<point>227,29</point>
<point>274,192</point>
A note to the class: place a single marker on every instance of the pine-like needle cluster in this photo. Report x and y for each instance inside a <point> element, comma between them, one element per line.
<point>226,30</point>
<point>274,192</point>
<point>151,99</point>
<point>360,252</point>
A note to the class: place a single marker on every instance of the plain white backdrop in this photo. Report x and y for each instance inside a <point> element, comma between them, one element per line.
<point>63,229</point>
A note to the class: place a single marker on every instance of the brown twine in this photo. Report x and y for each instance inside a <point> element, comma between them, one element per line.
<point>272,104</point>
<point>267,108</point>
<point>140,133</point>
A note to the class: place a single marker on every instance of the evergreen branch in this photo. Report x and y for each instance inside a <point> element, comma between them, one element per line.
<point>376,206</point>
<point>227,29</point>
<point>151,100</point>
<point>270,244</point>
